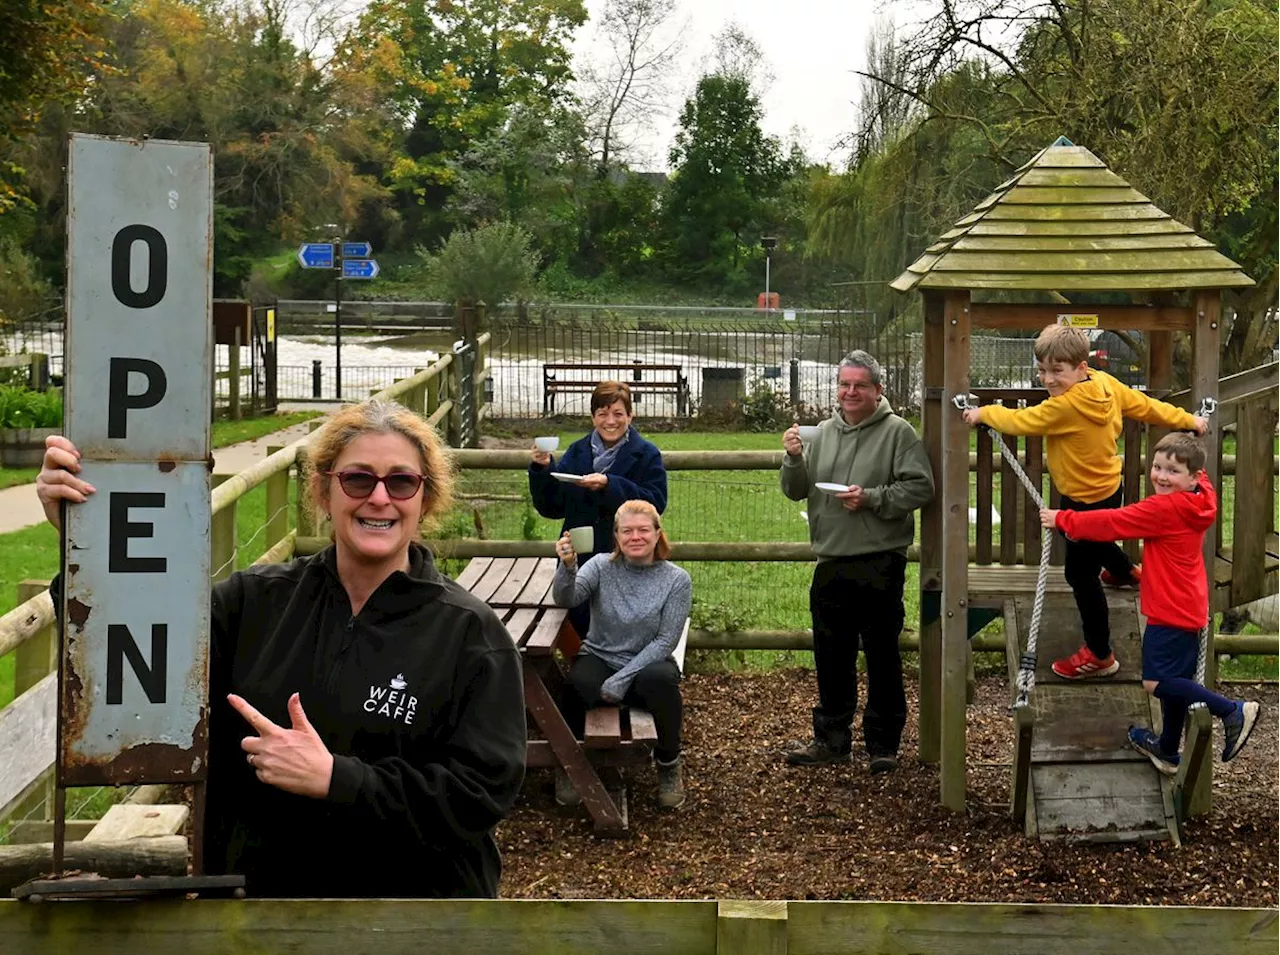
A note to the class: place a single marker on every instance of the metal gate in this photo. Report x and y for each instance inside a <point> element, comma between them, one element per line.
<point>465,356</point>
<point>262,355</point>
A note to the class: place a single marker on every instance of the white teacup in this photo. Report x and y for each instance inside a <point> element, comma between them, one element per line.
<point>547,444</point>
<point>808,432</point>
<point>583,539</point>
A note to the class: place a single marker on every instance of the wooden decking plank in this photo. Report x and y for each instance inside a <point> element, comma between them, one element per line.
<point>547,632</point>
<point>493,577</point>
<point>537,592</point>
<point>519,623</point>
<point>1086,721</point>
<point>1093,798</point>
<point>643,729</point>
<point>516,579</point>
<point>473,572</point>
<point>1060,634</point>
<point>603,728</point>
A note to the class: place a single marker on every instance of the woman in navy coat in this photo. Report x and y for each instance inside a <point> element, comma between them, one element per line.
<point>616,465</point>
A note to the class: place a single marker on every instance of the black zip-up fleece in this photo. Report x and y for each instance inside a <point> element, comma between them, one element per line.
<point>420,699</point>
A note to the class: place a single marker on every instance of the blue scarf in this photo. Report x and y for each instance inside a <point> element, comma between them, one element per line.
<point>602,458</point>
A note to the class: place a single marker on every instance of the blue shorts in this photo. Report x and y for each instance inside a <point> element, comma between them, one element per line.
<point>1169,653</point>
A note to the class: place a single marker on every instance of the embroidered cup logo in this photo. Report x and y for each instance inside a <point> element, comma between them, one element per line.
<point>392,701</point>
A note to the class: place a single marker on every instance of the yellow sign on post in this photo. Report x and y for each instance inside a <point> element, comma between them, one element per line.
<point>1079,321</point>
<point>271,324</point>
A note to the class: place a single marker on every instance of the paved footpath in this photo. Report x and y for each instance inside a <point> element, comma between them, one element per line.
<point>19,506</point>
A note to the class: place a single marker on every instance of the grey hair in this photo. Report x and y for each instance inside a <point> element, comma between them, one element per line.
<point>860,359</point>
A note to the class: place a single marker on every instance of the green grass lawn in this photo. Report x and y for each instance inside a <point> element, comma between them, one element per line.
<point>233,432</point>
<point>9,477</point>
<point>224,433</point>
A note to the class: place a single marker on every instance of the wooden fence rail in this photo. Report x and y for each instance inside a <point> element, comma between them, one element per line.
<point>626,927</point>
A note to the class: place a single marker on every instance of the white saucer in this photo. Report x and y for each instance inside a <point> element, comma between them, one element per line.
<point>567,478</point>
<point>831,488</point>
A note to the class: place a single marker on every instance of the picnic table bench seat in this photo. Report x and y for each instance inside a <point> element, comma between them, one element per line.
<point>641,377</point>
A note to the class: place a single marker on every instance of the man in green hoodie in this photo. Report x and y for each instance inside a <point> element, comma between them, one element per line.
<point>860,535</point>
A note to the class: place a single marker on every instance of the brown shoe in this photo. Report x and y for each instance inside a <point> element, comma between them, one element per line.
<point>815,754</point>
<point>670,783</point>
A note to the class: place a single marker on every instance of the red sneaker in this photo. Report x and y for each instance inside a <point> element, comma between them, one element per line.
<point>1083,664</point>
<point>1109,580</point>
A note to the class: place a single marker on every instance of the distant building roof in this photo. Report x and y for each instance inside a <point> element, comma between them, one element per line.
<point>1066,221</point>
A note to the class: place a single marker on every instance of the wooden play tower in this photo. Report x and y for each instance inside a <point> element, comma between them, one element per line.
<point>1062,230</point>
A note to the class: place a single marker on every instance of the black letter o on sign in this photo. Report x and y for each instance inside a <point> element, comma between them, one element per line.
<point>157,266</point>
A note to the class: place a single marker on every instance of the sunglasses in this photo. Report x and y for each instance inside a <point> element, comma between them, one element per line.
<point>400,485</point>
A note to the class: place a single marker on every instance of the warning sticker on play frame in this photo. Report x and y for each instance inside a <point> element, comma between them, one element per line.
<point>1079,321</point>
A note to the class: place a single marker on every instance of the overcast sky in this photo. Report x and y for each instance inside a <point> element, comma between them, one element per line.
<point>811,47</point>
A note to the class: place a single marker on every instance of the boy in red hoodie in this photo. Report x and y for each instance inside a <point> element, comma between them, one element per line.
<point>1175,593</point>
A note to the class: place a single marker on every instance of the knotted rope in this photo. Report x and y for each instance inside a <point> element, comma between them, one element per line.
<point>1026,680</point>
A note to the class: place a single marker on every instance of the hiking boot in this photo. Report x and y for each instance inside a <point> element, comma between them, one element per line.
<point>566,794</point>
<point>816,753</point>
<point>670,783</point>
<point>1148,744</point>
<point>1083,664</point>
<point>1237,727</point>
<point>1133,580</point>
<point>882,763</point>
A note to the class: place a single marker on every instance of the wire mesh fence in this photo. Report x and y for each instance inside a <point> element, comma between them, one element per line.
<point>722,355</point>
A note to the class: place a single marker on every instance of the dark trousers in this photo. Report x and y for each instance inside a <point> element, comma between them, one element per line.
<point>1085,560</point>
<point>858,600</point>
<point>656,688</point>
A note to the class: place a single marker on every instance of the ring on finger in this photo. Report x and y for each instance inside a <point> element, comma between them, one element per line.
<point>251,756</point>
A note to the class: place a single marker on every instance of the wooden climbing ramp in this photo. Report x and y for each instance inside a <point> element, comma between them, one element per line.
<point>1074,771</point>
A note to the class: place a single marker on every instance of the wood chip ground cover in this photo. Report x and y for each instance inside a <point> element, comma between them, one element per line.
<point>755,828</point>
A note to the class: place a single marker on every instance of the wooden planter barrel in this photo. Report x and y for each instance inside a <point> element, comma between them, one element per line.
<point>23,447</point>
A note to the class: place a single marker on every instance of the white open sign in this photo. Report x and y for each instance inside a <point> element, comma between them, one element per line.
<point>136,564</point>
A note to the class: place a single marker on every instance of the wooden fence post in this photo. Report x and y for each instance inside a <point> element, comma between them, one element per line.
<point>433,391</point>
<point>235,377</point>
<point>277,502</point>
<point>35,659</point>
<point>302,500</point>
<point>222,537</point>
<point>751,927</point>
<point>455,413</point>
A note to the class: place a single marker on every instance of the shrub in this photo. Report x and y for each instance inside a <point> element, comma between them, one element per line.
<point>24,408</point>
<point>491,264</point>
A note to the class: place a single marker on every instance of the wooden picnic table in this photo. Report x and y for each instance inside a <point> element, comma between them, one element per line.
<point>519,591</point>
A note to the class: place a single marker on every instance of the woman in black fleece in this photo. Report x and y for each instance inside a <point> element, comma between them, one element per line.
<point>367,727</point>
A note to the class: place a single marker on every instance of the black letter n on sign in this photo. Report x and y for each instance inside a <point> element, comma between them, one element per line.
<point>120,645</point>
<point>121,529</point>
<point>119,401</point>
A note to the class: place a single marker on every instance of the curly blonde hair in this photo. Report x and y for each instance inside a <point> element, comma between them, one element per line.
<point>380,417</point>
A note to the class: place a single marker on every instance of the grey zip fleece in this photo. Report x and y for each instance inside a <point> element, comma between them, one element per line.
<point>884,456</point>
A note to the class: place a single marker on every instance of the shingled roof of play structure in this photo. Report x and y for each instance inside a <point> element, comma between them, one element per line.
<point>1066,221</point>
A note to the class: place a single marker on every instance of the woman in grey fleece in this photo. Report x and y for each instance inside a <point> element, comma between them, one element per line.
<point>639,604</point>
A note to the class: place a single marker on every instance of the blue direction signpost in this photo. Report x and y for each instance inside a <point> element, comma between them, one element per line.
<point>316,255</point>
<point>360,268</point>
<point>352,262</point>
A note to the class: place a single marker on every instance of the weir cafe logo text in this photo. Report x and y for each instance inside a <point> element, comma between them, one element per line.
<point>392,701</point>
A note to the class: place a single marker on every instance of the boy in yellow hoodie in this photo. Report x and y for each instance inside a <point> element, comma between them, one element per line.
<point>1081,420</point>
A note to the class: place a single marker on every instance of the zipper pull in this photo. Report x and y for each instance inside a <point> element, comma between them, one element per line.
<point>351,622</point>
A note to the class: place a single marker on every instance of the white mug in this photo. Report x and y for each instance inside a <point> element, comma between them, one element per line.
<point>583,539</point>
<point>547,444</point>
<point>808,432</point>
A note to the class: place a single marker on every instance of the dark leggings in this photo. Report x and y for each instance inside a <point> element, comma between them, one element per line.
<point>656,688</point>
<point>1085,560</point>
